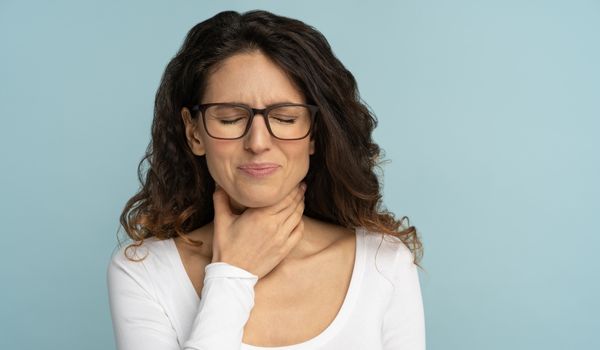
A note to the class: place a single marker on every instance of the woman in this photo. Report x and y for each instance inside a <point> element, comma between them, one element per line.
<point>258,224</point>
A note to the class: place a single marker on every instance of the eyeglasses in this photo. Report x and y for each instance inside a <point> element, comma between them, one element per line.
<point>230,121</point>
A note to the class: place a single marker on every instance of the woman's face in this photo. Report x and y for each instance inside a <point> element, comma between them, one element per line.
<point>254,80</point>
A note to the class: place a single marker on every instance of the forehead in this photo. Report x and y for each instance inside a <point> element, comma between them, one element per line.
<point>250,78</point>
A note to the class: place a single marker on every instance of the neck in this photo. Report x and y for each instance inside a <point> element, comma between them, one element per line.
<point>205,234</point>
<point>236,207</point>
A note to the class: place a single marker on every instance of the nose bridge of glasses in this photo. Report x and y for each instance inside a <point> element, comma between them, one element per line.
<point>262,112</point>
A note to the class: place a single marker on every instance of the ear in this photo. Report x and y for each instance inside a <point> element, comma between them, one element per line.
<point>313,137</point>
<point>192,133</point>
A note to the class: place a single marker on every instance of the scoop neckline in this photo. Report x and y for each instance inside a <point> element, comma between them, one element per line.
<point>335,325</point>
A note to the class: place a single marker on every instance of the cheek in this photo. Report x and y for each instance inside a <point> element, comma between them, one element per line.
<point>214,173</point>
<point>301,162</point>
<point>216,161</point>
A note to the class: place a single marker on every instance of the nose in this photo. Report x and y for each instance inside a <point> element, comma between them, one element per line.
<point>258,138</point>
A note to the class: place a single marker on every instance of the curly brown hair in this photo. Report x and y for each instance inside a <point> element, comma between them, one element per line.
<point>342,184</point>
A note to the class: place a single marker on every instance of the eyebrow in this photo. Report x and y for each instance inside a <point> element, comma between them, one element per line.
<point>266,105</point>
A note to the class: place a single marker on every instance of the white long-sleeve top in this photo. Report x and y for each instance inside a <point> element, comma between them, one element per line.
<point>154,305</point>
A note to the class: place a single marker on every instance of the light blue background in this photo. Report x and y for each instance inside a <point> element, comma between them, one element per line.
<point>488,115</point>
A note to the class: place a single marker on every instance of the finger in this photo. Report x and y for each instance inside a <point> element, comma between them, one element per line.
<point>295,194</point>
<point>294,237</point>
<point>292,220</point>
<point>293,206</point>
<point>221,205</point>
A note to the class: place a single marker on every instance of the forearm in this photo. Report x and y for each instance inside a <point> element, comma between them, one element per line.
<point>225,305</point>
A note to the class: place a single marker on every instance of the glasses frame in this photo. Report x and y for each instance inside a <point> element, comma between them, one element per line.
<point>252,112</point>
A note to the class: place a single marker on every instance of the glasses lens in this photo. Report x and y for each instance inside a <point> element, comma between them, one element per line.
<point>290,122</point>
<point>225,121</point>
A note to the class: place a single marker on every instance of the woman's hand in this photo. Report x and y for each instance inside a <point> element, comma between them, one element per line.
<point>259,238</point>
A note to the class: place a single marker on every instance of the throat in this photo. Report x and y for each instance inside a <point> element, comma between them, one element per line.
<point>236,207</point>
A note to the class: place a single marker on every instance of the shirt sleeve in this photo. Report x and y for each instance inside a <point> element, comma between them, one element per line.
<point>404,321</point>
<point>140,321</point>
<point>225,305</point>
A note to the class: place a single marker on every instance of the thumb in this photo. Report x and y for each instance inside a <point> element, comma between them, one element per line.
<point>223,213</point>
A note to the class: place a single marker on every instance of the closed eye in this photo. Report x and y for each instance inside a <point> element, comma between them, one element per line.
<point>284,120</point>
<point>231,121</point>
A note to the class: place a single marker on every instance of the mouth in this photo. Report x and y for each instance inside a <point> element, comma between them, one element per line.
<point>259,169</point>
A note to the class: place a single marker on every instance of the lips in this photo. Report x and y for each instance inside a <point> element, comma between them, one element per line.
<point>259,169</point>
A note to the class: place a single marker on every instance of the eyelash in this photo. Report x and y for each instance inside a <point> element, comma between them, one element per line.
<point>230,121</point>
<point>280,120</point>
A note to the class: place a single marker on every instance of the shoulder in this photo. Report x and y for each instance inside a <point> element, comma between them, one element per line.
<point>138,263</point>
<point>387,253</point>
<point>133,253</point>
